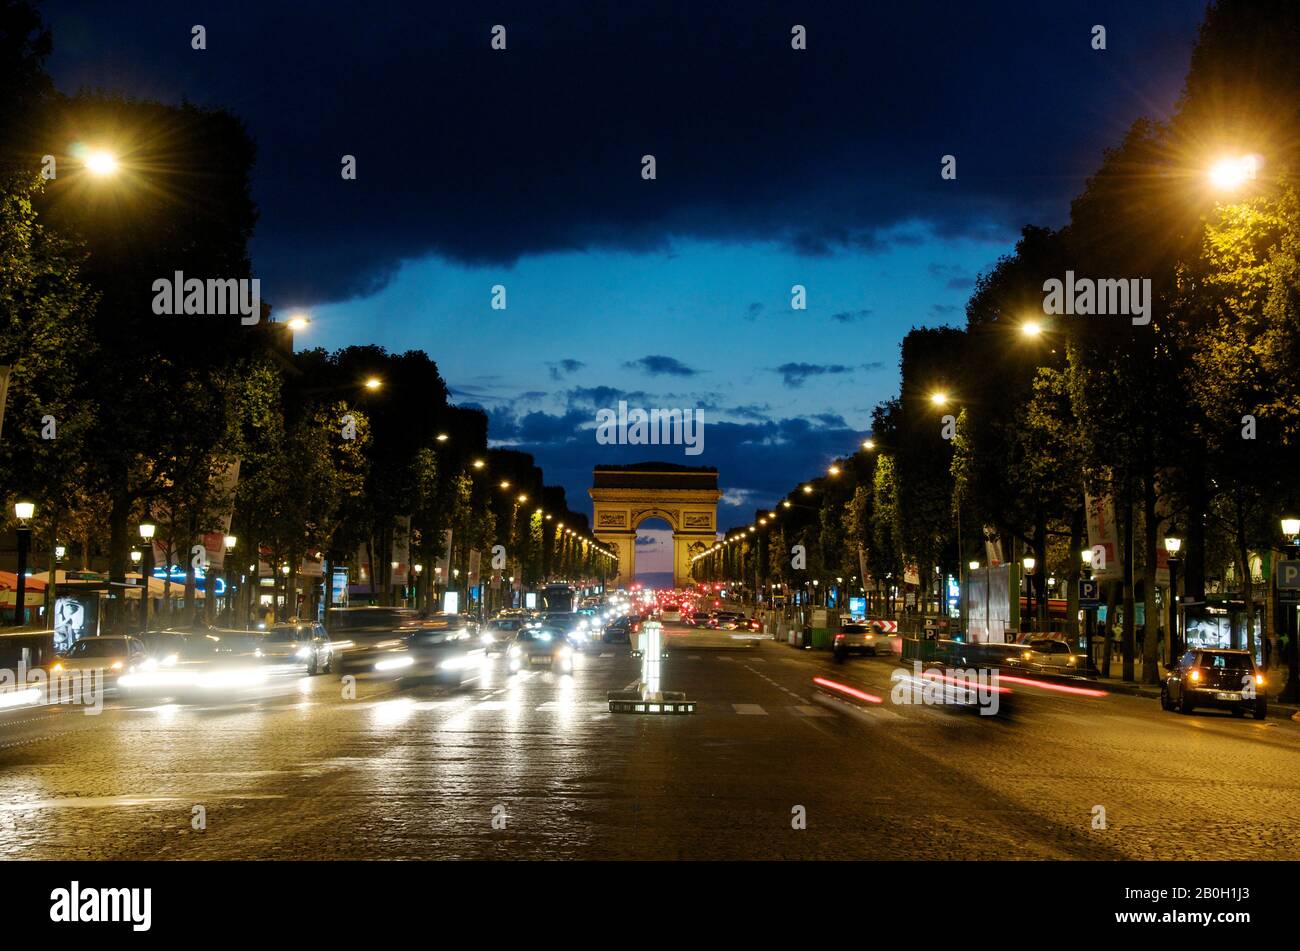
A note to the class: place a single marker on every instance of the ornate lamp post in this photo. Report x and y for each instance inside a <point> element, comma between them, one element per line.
<point>1028,561</point>
<point>1173,545</point>
<point>1291,692</point>
<point>147,531</point>
<point>24,511</point>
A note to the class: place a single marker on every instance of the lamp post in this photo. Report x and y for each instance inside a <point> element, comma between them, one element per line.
<point>1029,561</point>
<point>24,511</point>
<point>1173,544</point>
<point>1291,692</point>
<point>1085,558</point>
<point>147,531</point>
<point>229,543</point>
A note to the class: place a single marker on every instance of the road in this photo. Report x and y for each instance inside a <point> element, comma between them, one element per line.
<point>424,772</point>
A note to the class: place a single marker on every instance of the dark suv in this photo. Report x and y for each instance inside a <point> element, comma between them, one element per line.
<point>1225,679</point>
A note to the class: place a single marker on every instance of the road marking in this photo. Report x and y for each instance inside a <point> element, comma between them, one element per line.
<point>693,657</point>
<point>727,658</point>
<point>810,711</point>
<point>757,660</point>
<point>749,709</point>
<point>607,654</point>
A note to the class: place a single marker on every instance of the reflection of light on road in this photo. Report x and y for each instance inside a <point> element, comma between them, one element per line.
<point>847,690</point>
<point>19,698</point>
<point>392,712</point>
<point>1047,685</point>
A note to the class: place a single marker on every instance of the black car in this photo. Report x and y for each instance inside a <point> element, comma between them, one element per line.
<point>620,631</point>
<point>1224,679</point>
<point>393,641</point>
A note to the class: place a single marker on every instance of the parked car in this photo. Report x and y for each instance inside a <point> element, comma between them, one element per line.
<point>862,637</point>
<point>1224,679</point>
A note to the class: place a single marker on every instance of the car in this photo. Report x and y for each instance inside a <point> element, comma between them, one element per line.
<point>499,633</point>
<point>698,619</point>
<point>729,621</point>
<point>215,663</point>
<point>541,645</point>
<point>860,637</point>
<point>670,612</point>
<point>114,654</point>
<point>298,643</point>
<point>1215,677</point>
<point>1047,655</point>
<point>576,626</point>
<point>401,642</point>
<point>622,629</point>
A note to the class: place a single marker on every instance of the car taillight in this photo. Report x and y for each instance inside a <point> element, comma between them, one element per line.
<point>1196,676</point>
<point>839,637</point>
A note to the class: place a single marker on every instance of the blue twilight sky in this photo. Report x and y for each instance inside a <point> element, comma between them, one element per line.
<point>522,168</point>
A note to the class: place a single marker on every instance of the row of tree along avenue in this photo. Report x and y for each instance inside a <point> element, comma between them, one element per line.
<point>1131,377</point>
<point>123,410</point>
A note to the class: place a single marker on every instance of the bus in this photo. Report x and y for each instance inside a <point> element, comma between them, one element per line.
<point>560,597</point>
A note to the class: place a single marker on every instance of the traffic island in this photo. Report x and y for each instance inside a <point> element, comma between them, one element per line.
<point>647,697</point>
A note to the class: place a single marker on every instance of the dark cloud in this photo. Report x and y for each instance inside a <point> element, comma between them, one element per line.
<point>484,157</point>
<point>848,316</point>
<point>797,374</point>
<point>659,365</point>
<point>758,461</point>
<point>562,368</point>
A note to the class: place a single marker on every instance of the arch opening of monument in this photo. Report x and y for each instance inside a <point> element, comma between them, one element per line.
<point>683,497</point>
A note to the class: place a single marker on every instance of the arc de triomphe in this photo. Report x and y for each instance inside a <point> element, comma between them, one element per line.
<point>686,497</point>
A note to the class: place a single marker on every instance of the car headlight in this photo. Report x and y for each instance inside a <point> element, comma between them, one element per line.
<point>303,652</point>
<point>395,663</point>
<point>566,651</point>
<point>116,665</point>
<point>514,650</point>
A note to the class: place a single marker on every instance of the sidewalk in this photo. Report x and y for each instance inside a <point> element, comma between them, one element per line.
<point>1275,681</point>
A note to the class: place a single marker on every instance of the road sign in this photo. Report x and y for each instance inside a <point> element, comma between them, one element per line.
<point>1089,592</point>
<point>1288,574</point>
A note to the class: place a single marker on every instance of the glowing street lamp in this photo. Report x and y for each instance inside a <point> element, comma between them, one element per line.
<point>1229,174</point>
<point>1031,328</point>
<point>939,399</point>
<point>868,444</point>
<point>298,322</point>
<point>101,163</point>
<point>373,383</point>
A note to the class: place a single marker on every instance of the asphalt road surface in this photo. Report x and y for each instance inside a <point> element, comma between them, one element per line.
<point>532,766</point>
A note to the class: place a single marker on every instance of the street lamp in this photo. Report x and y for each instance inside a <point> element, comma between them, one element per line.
<point>1291,692</point>
<point>147,531</point>
<point>1229,174</point>
<point>101,163</point>
<point>24,511</point>
<point>1173,545</point>
<point>939,399</point>
<point>1031,328</point>
<point>868,445</point>
<point>373,383</point>
<point>1029,561</point>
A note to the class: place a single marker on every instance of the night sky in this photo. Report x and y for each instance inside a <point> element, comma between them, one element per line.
<point>523,168</point>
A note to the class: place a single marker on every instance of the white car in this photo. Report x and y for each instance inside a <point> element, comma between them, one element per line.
<point>114,654</point>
